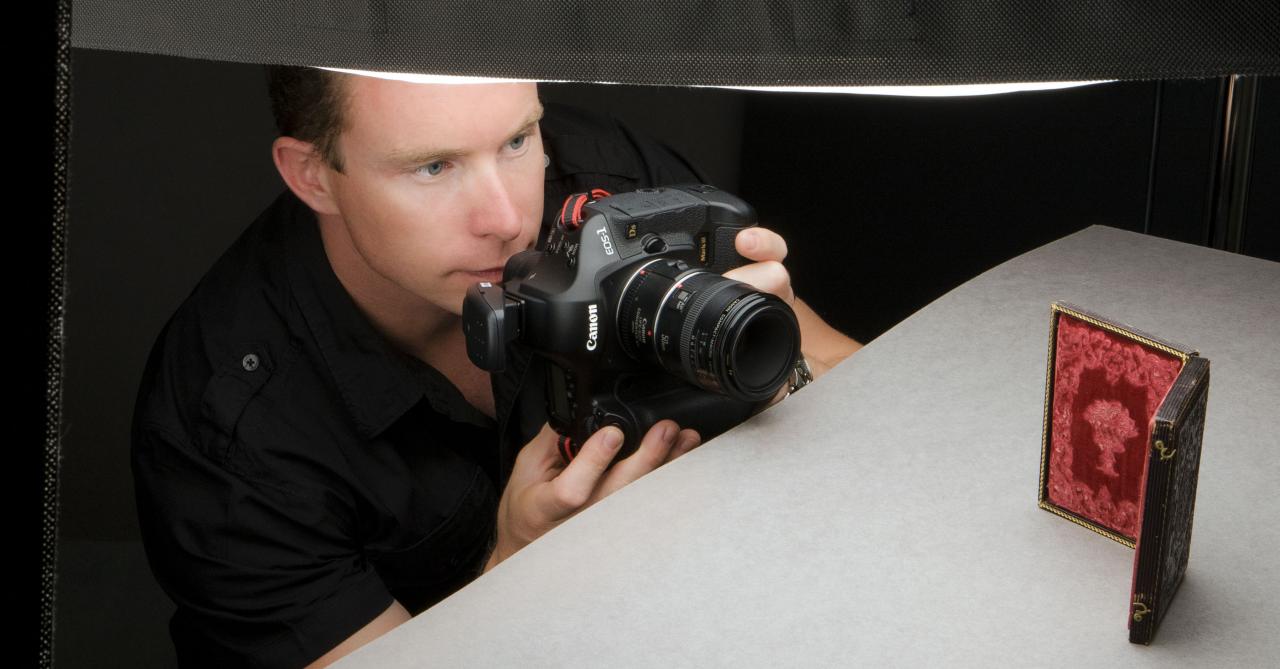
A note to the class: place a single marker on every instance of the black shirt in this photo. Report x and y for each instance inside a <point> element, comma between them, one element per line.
<point>294,471</point>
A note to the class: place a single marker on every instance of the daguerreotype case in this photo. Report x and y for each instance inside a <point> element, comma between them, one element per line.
<point>1123,422</point>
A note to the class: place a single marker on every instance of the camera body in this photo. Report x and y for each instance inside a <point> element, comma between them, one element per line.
<point>625,302</point>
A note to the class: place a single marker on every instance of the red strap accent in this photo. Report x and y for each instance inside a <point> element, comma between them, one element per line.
<point>560,216</point>
<point>570,217</point>
<point>563,443</point>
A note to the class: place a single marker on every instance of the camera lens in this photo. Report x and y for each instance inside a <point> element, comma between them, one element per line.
<point>716,333</point>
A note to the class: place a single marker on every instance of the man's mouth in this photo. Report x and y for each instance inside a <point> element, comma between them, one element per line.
<point>492,274</point>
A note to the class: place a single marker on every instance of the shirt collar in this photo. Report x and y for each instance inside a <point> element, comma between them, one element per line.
<point>378,382</point>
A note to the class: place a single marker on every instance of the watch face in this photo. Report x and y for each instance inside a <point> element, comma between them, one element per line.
<point>801,375</point>
<point>802,366</point>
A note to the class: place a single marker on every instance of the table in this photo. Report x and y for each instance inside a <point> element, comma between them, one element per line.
<point>886,515</point>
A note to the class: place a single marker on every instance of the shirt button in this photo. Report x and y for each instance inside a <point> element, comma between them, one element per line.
<point>249,362</point>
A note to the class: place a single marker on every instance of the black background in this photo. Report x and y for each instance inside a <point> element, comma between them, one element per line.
<point>886,203</point>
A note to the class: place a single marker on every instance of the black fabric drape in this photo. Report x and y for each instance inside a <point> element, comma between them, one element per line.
<point>744,42</point>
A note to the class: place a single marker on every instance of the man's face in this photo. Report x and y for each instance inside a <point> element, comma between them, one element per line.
<point>441,183</point>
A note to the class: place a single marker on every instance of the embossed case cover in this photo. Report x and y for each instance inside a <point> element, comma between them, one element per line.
<point>1124,417</point>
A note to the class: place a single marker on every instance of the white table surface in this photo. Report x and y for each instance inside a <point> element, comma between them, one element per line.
<point>886,515</point>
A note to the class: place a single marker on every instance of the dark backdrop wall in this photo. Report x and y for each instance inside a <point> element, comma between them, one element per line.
<point>887,203</point>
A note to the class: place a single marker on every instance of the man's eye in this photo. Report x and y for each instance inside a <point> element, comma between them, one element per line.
<point>432,169</point>
<point>517,142</point>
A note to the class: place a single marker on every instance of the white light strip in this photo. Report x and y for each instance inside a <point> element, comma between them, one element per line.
<point>957,90</point>
<point>954,90</point>
<point>417,78</point>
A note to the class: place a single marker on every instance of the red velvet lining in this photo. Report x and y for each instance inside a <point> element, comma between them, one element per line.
<point>1106,389</point>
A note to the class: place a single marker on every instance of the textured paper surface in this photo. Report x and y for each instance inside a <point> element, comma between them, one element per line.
<point>886,515</point>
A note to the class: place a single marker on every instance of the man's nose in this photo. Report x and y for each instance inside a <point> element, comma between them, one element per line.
<point>496,211</point>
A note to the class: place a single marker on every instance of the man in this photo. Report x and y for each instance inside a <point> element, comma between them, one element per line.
<point>316,459</point>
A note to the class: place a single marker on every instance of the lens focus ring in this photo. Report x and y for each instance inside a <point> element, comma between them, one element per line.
<point>697,344</point>
<point>721,335</point>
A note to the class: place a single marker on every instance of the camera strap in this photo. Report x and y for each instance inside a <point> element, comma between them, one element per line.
<point>570,216</point>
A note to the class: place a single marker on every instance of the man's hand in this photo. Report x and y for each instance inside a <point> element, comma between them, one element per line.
<point>822,345</point>
<point>543,492</point>
<point>768,249</point>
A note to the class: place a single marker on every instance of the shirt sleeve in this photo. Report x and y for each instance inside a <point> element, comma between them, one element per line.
<point>263,574</point>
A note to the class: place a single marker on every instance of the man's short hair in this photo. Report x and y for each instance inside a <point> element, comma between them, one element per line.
<point>309,104</point>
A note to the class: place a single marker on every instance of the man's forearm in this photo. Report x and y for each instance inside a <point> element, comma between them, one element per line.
<point>491,562</point>
<point>497,553</point>
<point>823,346</point>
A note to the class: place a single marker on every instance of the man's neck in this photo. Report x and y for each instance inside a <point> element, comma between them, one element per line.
<point>410,323</point>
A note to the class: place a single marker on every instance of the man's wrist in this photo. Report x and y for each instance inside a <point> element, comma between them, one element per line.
<point>491,558</point>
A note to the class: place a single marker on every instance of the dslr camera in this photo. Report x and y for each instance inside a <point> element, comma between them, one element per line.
<point>626,303</point>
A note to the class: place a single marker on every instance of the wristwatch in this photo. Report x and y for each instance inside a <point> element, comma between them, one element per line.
<point>801,375</point>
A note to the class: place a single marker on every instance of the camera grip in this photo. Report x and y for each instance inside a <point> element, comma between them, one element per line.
<point>724,254</point>
<point>708,413</point>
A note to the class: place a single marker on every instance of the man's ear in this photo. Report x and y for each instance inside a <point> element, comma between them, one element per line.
<point>305,173</point>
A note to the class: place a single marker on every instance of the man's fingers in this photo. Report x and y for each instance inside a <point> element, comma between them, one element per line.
<point>769,276</point>
<point>686,441</point>
<point>571,489</point>
<point>761,244</point>
<point>654,449</point>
